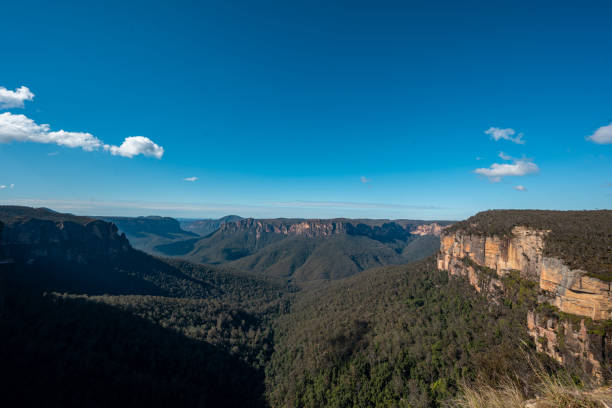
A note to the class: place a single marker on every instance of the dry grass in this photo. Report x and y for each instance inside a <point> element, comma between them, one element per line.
<point>551,391</point>
<point>485,396</point>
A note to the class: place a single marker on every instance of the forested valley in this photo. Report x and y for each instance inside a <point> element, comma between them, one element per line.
<point>130,328</point>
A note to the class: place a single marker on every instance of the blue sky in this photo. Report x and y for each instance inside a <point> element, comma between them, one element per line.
<point>306,108</point>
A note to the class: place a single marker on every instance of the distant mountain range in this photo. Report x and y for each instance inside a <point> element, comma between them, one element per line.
<point>294,249</point>
<point>304,250</point>
<point>207,226</point>
<point>145,233</point>
<point>87,319</point>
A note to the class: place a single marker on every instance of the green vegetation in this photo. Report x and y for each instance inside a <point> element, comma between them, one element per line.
<point>67,351</point>
<point>301,258</point>
<point>394,336</point>
<point>582,239</point>
<point>139,330</point>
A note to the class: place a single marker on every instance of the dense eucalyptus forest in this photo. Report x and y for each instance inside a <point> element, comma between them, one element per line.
<point>80,329</point>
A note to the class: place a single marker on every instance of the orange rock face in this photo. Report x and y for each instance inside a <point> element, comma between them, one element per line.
<point>571,291</point>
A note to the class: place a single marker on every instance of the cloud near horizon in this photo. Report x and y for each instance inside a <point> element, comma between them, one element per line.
<point>603,135</point>
<point>506,134</point>
<point>3,186</point>
<point>14,99</point>
<point>497,171</point>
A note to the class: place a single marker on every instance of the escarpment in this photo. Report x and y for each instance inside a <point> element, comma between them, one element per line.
<point>35,237</point>
<point>381,230</point>
<point>570,321</point>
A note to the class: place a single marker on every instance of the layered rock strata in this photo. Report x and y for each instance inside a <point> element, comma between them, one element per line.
<point>571,291</point>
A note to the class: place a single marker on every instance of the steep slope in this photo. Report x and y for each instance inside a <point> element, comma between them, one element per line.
<point>142,330</point>
<point>306,250</point>
<point>396,336</point>
<point>145,233</point>
<point>71,352</point>
<point>61,252</point>
<point>566,257</point>
<point>207,226</point>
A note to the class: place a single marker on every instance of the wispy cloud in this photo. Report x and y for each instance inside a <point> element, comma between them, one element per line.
<point>520,188</point>
<point>504,156</point>
<point>345,204</point>
<point>14,99</point>
<point>506,134</point>
<point>194,178</point>
<point>4,186</point>
<point>20,128</point>
<point>497,171</point>
<point>606,185</point>
<point>319,209</point>
<point>603,135</point>
<point>364,179</point>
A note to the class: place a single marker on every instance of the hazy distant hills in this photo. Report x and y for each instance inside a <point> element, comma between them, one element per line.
<point>207,226</point>
<point>310,249</point>
<point>145,233</point>
<point>295,249</point>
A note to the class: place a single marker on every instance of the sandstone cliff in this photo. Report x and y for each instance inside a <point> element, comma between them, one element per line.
<point>381,230</point>
<point>571,325</point>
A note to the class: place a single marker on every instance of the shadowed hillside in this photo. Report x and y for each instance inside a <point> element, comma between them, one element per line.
<point>145,233</point>
<point>306,250</point>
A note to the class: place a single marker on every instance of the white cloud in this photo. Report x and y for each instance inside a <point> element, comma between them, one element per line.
<point>506,134</point>
<point>14,99</point>
<point>135,145</point>
<point>603,135</point>
<point>20,128</point>
<point>2,186</point>
<point>518,168</point>
<point>504,156</point>
<point>85,141</point>
<point>12,185</point>
<point>364,179</point>
<point>194,178</point>
<point>520,188</point>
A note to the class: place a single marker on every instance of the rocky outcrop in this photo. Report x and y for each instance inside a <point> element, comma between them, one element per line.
<point>569,343</point>
<point>386,232</point>
<point>307,228</point>
<point>570,291</point>
<point>30,239</point>
<point>434,229</point>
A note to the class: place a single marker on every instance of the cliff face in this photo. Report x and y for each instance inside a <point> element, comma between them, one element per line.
<point>28,240</point>
<point>307,228</point>
<point>434,229</point>
<point>387,231</point>
<point>570,291</point>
